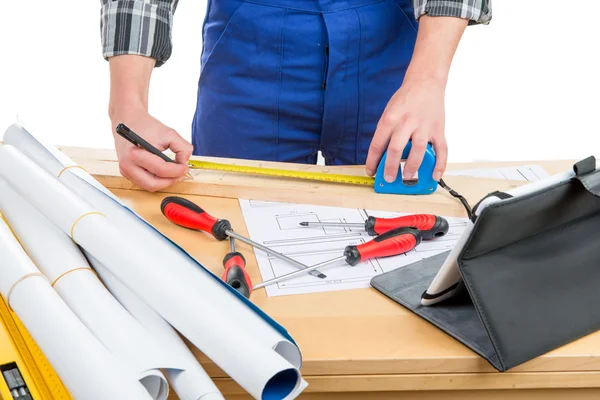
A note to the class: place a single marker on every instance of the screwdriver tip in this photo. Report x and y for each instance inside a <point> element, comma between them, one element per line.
<point>303,223</point>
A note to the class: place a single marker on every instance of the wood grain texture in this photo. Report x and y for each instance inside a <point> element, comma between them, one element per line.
<point>104,166</point>
<point>513,394</point>
<point>358,344</point>
<point>360,339</point>
<point>435,383</point>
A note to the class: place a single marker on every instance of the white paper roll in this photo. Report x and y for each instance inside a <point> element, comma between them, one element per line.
<point>84,365</point>
<point>156,245</point>
<point>190,381</point>
<point>61,261</point>
<point>213,329</point>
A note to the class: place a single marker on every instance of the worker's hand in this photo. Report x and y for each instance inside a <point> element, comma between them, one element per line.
<point>142,167</point>
<point>415,111</point>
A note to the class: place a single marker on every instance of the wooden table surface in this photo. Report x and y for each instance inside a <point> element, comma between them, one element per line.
<point>358,344</point>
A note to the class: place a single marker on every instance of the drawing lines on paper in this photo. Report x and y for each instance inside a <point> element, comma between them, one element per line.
<point>277,226</point>
<point>528,173</point>
<point>292,221</point>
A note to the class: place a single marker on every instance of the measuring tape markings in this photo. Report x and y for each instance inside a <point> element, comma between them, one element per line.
<point>284,173</point>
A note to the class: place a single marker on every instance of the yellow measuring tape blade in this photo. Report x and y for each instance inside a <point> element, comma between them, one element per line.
<point>283,173</point>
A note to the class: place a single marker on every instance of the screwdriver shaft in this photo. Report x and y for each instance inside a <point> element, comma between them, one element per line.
<point>303,268</point>
<point>297,273</point>
<point>351,225</point>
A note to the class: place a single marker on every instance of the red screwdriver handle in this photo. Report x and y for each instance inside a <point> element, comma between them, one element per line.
<point>394,242</point>
<point>431,226</point>
<point>187,214</point>
<point>235,274</point>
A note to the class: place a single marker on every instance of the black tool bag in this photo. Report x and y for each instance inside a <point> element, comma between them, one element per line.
<point>531,270</point>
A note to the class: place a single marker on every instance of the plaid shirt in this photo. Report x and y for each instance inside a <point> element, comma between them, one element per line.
<point>143,27</point>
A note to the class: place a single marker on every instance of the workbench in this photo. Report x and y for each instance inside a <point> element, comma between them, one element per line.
<point>358,344</point>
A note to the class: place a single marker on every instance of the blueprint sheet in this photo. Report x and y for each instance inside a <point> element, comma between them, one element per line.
<point>277,225</point>
<point>520,173</point>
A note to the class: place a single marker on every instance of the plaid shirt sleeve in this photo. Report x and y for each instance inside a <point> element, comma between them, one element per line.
<point>141,27</point>
<point>475,11</point>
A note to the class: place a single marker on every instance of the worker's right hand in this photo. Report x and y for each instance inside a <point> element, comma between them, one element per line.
<point>142,167</point>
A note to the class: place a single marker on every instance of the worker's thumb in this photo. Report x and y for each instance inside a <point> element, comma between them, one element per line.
<point>181,147</point>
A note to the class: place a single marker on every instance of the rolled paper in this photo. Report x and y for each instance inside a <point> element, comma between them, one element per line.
<point>68,271</point>
<point>175,291</point>
<point>159,247</point>
<point>189,381</point>
<point>84,365</point>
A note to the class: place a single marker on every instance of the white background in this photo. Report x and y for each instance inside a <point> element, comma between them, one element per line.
<point>524,87</point>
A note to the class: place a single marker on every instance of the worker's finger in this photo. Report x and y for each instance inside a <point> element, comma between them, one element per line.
<point>441,154</point>
<point>146,180</point>
<point>156,165</point>
<point>380,142</point>
<point>395,149</point>
<point>182,148</point>
<point>417,152</point>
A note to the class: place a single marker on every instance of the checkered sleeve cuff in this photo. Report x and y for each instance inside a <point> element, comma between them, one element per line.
<point>475,11</point>
<point>141,27</point>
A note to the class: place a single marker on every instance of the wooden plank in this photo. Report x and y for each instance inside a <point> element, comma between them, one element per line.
<point>351,332</point>
<point>437,382</point>
<point>512,394</point>
<point>357,343</point>
<point>551,166</point>
<point>104,167</point>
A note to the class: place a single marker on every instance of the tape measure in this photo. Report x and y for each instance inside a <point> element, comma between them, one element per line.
<point>423,185</point>
<point>283,173</point>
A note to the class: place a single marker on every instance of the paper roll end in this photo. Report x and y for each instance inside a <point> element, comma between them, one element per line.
<point>281,385</point>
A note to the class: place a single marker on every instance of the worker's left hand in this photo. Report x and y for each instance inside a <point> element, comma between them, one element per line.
<point>415,111</point>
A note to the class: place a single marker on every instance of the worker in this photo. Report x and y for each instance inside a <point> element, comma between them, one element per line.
<point>281,80</point>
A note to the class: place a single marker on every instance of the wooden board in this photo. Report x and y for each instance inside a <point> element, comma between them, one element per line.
<point>358,341</point>
<point>512,394</point>
<point>358,344</point>
<point>103,165</point>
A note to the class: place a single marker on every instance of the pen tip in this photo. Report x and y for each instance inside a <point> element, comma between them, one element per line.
<point>303,223</point>
<point>189,176</point>
<point>322,276</point>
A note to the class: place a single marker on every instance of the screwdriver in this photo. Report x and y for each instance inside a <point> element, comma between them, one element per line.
<point>392,243</point>
<point>187,214</point>
<point>431,226</point>
<point>235,274</point>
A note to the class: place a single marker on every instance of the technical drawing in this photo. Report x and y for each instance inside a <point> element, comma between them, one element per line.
<point>277,226</point>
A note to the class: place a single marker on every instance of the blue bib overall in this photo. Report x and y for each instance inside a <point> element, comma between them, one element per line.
<point>283,79</point>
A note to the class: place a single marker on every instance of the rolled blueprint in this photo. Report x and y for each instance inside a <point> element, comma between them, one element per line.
<point>83,364</point>
<point>254,321</point>
<point>171,289</point>
<point>189,381</point>
<point>157,245</point>
<point>68,271</point>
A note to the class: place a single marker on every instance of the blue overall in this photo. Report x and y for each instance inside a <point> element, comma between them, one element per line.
<point>283,79</point>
